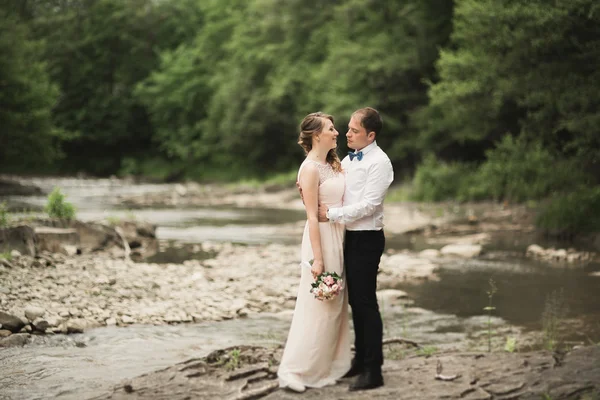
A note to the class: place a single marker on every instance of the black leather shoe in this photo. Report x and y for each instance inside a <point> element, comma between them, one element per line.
<point>369,379</point>
<point>355,369</point>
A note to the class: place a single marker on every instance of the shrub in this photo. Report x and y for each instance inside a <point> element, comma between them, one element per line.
<point>57,207</point>
<point>569,213</point>
<point>4,216</point>
<point>436,181</point>
<point>517,171</point>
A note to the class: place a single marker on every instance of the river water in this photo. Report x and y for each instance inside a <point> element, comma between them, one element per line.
<point>441,313</point>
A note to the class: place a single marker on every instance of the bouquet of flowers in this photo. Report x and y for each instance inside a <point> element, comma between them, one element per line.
<point>327,286</point>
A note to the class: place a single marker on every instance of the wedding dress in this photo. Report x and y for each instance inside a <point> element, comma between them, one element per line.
<point>317,350</point>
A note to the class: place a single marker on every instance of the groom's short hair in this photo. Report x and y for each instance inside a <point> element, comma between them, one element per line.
<point>370,119</point>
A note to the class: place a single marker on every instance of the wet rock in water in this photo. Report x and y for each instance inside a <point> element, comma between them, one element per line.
<point>430,253</point>
<point>15,340</point>
<point>21,238</point>
<point>462,250</point>
<point>5,333</point>
<point>77,325</point>
<point>10,322</point>
<point>404,267</point>
<point>33,312</point>
<point>558,255</point>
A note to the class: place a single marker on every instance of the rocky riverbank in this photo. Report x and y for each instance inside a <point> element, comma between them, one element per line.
<point>247,372</point>
<point>57,293</point>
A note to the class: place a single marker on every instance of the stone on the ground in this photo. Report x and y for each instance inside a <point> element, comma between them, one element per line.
<point>462,250</point>
<point>53,239</point>
<point>429,253</point>
<point>40,324</point>
<point>33,312</point>
<point>558,255</point>
<point>76,325</point>
<point>16,340</point>
<point>405,267</point>
<point>20,238</point>
<point>10,322</point>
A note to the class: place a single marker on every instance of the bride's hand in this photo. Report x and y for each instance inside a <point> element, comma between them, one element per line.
<point>317,268</point>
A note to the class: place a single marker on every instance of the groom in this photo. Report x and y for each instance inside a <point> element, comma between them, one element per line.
<point>369,173</point>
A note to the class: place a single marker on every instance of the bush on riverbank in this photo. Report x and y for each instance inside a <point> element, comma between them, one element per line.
<point>569,213</point>
<point>518,171</point>
<point>57,207</point>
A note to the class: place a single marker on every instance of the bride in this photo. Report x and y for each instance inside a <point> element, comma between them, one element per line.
<point>317,351</point>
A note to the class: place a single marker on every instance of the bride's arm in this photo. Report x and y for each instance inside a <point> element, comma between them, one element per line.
<point>309,182</point>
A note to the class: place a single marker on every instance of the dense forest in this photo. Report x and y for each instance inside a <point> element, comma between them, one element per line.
<point>481,99</point>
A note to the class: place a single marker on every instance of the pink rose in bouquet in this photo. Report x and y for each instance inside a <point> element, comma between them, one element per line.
<point>327,286</point>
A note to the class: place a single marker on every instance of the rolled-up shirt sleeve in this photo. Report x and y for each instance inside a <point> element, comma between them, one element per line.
<point>379,179</point>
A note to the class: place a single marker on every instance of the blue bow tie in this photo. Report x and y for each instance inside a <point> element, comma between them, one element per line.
<point>358,155</point>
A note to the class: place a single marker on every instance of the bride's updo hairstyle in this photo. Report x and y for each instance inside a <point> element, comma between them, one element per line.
<point>311,126</point>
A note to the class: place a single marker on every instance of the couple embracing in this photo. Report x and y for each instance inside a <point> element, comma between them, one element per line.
<point>343,234</point>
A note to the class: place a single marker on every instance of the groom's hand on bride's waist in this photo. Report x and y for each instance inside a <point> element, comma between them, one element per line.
<point>323,213</point>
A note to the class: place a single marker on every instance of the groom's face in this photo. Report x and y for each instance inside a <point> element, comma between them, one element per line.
<point>357,135</point>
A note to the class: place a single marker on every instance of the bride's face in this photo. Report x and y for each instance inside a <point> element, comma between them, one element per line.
<point>328,135</point>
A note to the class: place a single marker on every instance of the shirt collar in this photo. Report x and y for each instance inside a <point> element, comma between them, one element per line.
<point>367,149</point>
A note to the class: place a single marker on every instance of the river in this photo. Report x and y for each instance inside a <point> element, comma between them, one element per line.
<point>446,312</point>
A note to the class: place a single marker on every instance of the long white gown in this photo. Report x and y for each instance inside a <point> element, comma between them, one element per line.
<point>317,351</point>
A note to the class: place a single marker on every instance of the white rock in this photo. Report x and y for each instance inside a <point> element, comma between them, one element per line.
<point>429,253</point>
<point>69,249</point>
<point>33,312</point>
<point>77,325</point>
<point>535,250</point>
<point>54,321</point>
<point>126,319</point>
<point>15,253</point>
<point>111,322</point>
<point>40,324</point>
<point>462,250</point>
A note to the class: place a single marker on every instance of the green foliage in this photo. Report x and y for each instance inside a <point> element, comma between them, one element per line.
<point>516,171</point>
<point>4,215</point>
<point>511,345</point>
<point>427,351</point>
<point>26,98</point>
<point>492,290</point>
<point>214,90</point>
<point>555,310</point>
<point>436,181</point>
<point>573,212</point>
<point>233,360</point>
<point>6,255</point>
<point>57,207</point>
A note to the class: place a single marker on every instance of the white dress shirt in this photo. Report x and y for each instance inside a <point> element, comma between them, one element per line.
<point>367,182</point>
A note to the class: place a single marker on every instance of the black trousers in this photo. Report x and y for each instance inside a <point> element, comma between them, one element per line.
<point>362,252</point>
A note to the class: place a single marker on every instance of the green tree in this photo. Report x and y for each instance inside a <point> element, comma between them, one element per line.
<point>28,137</point>
<point>523,67</point>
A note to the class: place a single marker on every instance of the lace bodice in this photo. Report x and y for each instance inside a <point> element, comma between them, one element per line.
<point>331,183</point>
<point>325,171</point>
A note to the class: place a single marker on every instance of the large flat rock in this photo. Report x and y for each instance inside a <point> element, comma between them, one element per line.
<point>21,238</point>
<point>54,239</point>
<point>252,374</point>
